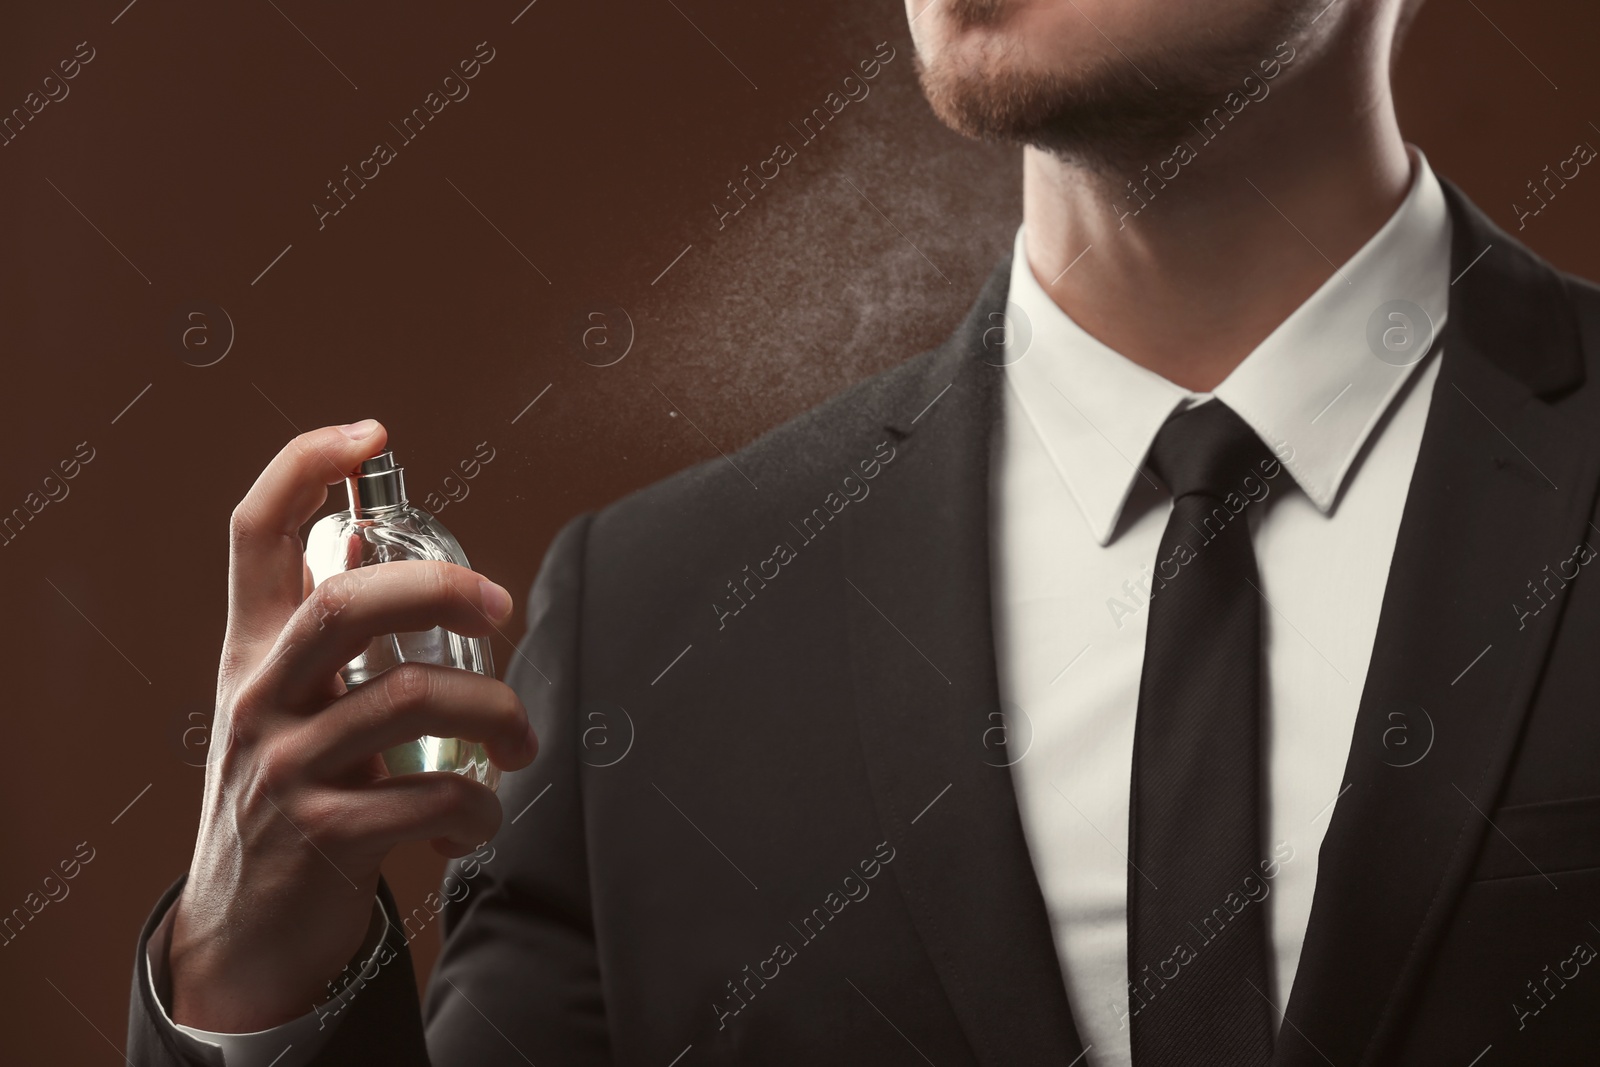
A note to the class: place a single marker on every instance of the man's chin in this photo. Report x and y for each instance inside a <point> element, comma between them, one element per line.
<point>1089,119</point>
<point>1031,82</point>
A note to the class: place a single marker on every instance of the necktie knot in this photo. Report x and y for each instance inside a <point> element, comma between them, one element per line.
<point>1207,450</point>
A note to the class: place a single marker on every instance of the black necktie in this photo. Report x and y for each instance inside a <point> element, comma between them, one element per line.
<point>1197,934</point>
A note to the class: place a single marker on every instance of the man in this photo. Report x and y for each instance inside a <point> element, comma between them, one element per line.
<point>1191,661</point>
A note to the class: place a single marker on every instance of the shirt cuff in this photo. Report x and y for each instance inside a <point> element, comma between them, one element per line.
<point>291,1044</point>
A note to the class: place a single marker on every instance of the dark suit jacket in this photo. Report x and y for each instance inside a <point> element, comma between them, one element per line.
<point>766,825</point>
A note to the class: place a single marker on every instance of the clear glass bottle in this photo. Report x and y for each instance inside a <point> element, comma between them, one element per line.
<point>380,527</point>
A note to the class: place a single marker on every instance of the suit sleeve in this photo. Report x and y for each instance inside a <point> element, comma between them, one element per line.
<point>518,979</point>
<point>386,1029</point>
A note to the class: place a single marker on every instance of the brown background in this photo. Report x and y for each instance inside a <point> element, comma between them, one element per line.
<point>594,143</point>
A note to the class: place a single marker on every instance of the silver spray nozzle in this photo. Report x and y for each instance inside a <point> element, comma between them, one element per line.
<point>380,482</point>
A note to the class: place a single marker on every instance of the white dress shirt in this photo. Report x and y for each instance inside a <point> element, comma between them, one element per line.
<point>1077,523</point>
<point>1076,530</point>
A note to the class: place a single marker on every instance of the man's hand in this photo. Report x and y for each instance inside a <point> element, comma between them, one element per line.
<point>298,811</point>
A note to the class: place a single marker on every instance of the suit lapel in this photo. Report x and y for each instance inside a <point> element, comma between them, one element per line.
<point>923,673</point>
<point>1503,487</point>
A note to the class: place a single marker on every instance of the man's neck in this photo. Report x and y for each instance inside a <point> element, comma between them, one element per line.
<point>1226,245</point>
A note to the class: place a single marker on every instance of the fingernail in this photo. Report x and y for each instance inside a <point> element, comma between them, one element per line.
<point>496,601</point>
<point>357,431</point>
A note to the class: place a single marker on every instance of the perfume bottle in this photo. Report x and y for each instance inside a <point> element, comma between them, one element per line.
<point>380,527</point>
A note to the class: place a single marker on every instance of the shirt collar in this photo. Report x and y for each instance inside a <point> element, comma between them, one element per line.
<point>1313,390</point>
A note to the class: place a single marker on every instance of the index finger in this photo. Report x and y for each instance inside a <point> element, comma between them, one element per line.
<point>265,559</point>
